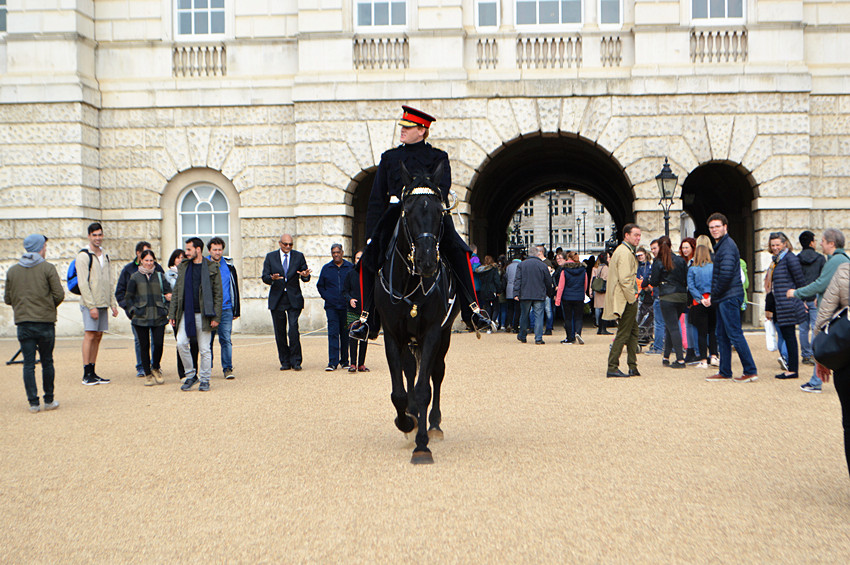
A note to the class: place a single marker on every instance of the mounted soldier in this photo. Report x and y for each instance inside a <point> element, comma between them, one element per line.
<point>383,213</point>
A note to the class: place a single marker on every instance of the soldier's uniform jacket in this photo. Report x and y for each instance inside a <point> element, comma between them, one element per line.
<point>388,182</point>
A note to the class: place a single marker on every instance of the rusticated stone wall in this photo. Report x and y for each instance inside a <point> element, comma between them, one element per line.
<point>290,167</point>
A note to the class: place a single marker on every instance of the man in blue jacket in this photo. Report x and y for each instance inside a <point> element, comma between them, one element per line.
<point>330,285</point>
<point>832,244</point>
<point>727,292</point>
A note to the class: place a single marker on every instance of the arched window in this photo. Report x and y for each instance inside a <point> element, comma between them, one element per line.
<point>204,211</point>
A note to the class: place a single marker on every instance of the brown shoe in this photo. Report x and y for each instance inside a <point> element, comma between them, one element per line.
<point>746,379</point>
<point>717,378</point>
<point>157,375</point>
<point>149,380</point>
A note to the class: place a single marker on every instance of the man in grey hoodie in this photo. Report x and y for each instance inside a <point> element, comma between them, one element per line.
<point>832,244</point>
<point>34,291</point>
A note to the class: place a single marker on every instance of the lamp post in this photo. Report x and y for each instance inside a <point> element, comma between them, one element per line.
<point>666,181</point>
<point>515,243</point>
<point>550,194</point>
<point>583,230</point>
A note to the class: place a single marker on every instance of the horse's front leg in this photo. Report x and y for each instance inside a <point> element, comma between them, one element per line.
<point>421,454</point>
<point>439,371</point>
<point>399,397</point>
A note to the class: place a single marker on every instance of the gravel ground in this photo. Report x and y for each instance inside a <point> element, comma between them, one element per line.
<point>544,461</point>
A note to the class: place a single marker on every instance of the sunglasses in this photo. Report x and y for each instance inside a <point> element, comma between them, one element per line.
<point>286,244</point>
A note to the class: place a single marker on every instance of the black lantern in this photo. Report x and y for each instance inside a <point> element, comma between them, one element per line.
<point>667,188</point>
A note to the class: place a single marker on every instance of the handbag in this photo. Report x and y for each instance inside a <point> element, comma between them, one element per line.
<point>831,347</point>
<point>598,285</point>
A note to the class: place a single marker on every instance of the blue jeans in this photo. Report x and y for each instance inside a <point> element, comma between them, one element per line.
<point>806,328</point>
<point>537,307</point>
<point>37,336</point>
<point>503,314</point>
<point>729,333</point>
<point>781,347</point>
<point>139,369</point>
<point>337,336</point>
<point>549,312</point>
<point>224,329</point>
<point>658,343</point>
<point>692,334</point>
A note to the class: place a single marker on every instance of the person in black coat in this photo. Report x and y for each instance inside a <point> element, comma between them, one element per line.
<point>384,208</point>
<point>670,276</point>
<point>786,273</point>
<point>284,270</point>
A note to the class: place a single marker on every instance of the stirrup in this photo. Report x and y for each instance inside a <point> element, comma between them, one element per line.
<point>359,330</point>
<point>480,320</point>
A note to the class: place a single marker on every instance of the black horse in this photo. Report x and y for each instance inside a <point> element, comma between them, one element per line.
<point>415,297</point>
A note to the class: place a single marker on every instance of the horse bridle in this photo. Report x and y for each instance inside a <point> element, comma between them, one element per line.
<point>412,241</point>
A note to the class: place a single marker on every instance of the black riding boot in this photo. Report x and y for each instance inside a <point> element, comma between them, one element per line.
<point>459,262</point>
<point>368,326</point>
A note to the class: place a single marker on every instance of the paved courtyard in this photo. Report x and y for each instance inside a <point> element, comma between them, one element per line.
<point>544,461</point>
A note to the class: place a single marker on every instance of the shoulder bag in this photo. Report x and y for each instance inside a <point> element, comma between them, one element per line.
<point>831,347</point>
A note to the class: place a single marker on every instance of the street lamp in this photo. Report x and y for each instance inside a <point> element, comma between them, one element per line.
<point>550,194</point>
<point>583,230</point>
<point>516,245</point>
<point>666,181</point>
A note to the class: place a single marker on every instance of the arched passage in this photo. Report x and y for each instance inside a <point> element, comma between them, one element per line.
<point>532,164</point>
<point>728,188</point>
<point>359,191</point>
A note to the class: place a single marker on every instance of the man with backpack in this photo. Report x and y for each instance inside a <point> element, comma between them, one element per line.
<point>94,281</point>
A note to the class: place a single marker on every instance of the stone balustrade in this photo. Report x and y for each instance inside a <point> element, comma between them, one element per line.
<point>548,52</point>
<point>487,52</point>
<point>199,60</point>
<point>610,51</point>
<point>718,46</point>
<point>381,53</point>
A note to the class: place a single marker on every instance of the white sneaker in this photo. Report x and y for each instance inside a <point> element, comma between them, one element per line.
<point>52,406</point>
<point>715,361</point>
<point>579,339</point>
<point>702,365</point>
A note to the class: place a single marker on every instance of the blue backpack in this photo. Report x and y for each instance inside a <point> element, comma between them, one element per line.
<point>73,284</point>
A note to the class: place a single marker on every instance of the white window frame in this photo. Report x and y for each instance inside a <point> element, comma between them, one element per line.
<point>381,28</point>
<point>498,4</point>
<point>709,21</point>
<point>610,26</point>
<point>538,27</point>
<point>228,24</point>
<point>5,9</point>
<point>192,189</point>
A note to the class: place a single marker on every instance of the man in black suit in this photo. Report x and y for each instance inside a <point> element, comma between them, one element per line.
<point>283,269</point>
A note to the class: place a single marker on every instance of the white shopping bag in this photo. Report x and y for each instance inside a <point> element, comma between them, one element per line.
<point>770,335</point>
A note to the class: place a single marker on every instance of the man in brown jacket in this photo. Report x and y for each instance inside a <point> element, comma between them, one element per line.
<point>621,302</point>
<point>34,291</point>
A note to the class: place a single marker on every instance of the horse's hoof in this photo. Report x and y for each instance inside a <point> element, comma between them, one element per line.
<point>422,458</point>
<point>435,433</point>
<point>407,426</point>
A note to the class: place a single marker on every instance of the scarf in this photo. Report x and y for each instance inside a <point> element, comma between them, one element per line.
<point>146,272</point>
<point>189,299</point>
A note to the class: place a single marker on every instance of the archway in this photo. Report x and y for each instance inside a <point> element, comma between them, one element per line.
<point>535,163</point>
<point>728,188</point>
<point>359,191</point>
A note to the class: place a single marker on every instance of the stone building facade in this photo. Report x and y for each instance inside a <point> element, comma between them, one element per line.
<point>165,118</point>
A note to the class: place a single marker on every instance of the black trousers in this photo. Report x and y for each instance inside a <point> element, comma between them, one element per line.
<point>353,356</point>
<point>671,312</point>
<point>573,317</point>
<point>512,319</point>
<point>145,334</point>
<point>705,321</point>
<point>288,342</point>
<point>39,336</point>
<point>789,334</point>
<point>842,387</point>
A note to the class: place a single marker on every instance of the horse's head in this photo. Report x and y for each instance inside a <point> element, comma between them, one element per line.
<point>422,219</point>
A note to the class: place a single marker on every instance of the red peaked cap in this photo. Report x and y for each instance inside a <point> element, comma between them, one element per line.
<point>413,117</point>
